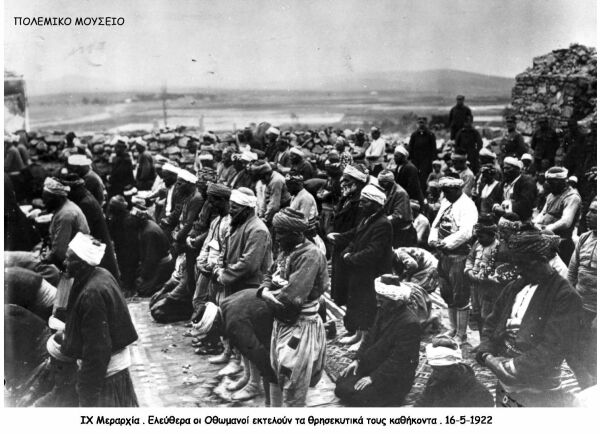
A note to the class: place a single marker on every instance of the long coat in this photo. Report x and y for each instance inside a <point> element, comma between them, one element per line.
<point>346,217</point>
<point>370,248</point>
<point>98,227</point>
<point>98,325</point>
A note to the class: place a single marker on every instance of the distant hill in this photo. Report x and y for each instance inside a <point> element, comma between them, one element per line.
<point>436,81</point>
<point>440,82</point>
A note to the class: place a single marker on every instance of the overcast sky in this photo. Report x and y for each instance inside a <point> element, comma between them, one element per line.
<point>265,43</point>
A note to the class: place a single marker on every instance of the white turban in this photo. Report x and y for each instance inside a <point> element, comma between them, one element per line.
<point>442,356</point>
<point>450,182</point>
<point>53,348</point>
<point>78,160</point>
<point>187,176</point>
<point>485,152</point>
<point>373,193</point>
<point>170,168</point>
<point>243,196</point>
<point>526,157</point>
<point>557,173</point>
<point>55,187</point>
<point>296,151</point>
<point>140,141</point>
<point>401,150</point>
<point>512,161</point>
<point>353,172</point>
<point>208,318</point>
<point>273,130</point>
<point>87,248</point>
<point>248,156</point>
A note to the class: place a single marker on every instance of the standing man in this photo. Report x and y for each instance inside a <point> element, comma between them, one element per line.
<point>301,199</point>
<point>407,175</point>
<point>469,139</point>
<point>561,210</point>
<point>367,253</point>
<point>519,190</point>
<point>122,228</point>
<point>458,115</point>
<point>544,144</point>
<point>98,329</point>
<point>247,255</point>
<point>512,143</point>
<point>146,173</point>
<point>121,174</point>
<point>375,152</point>
<point>293,288</point>
<point>276,195</point>
<point>66,222</point>
<point>95,220</point>
<point>398,211</point>
<point>459,166</point>
<point>82,166</point>
<point>422,150</point>
<point>450,234</point>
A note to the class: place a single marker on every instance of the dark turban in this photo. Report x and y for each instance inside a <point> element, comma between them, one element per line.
<point>219,190</point>
<point>294,178</point>
<point>485,224</point>
<point>206,174</point>
<point>533,245</point>
<point>261,167</point>
<point>290,220</point>
<point>118,202</point>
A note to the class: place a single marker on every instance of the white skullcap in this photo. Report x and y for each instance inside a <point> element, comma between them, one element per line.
<point>170,168</point>
<point>573,179</point>
<point>78,160</point>
<point>353,172</point>
<point>526,157</point>
<point>243,196</point>
<point>450,182</point>
<point>297,151</point>
<point>187,176</point>
<point>205,157</point>
<point>208,318</point>
<point>442,356</point>
<point>373,193</point>
<point>400,292</point>
<point>512,161</point>
<point>273,130</point>
<point>401,150</point>
<point>87,248</point>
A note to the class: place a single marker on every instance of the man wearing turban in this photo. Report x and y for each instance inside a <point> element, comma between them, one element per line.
<point>98,328</point>
<point>293,287</point>
<point>561,210</point>
<point>397,210</point>
<point>407,175</point>
<point>532,328</point>
<point>274,191</point>
<point>145,170</point>
<point>81,165</point>
<point>155,260</point>
<point>301,199</point>
<point>95,218</point>
<point>366,251</point>
<point>450,234</point>
<point>68,219</point>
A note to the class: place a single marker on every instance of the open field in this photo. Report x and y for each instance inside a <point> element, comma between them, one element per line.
<point>221,111</point>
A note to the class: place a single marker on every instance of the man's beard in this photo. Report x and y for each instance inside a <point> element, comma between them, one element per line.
<point>240,217</point>
<point>348,190</point>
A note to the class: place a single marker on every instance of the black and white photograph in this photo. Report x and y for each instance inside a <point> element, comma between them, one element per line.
<point>300,203</point>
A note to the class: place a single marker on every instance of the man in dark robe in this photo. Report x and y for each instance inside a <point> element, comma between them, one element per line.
<point>422,150</point>
<point>98,329</point>
<point>121,174</point>
<point>367,252</point>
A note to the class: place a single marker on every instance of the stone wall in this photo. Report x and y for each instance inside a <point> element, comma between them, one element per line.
<point>560,85</point>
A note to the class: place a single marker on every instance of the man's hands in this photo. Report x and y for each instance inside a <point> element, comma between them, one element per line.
<point>502,367</point>
<point>351,369</point>
<point>270,297</point>
<point>363,383</point>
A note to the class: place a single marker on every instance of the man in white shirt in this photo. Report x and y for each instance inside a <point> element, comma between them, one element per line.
<point>375,152</point>
<point>450,234</point>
